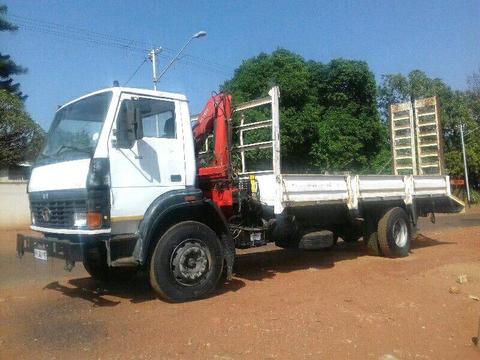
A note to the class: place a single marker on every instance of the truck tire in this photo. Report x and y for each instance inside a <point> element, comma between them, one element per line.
<point>95,262</point>
<point>395,233</point>
<point>334,242</point>
<point>312,244</point>
<point>292,242</point>
<point>370,237</point>
<point>187,262</point>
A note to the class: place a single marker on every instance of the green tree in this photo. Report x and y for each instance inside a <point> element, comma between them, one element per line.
<point>456,107</point>
<point>7,66</point>
<point>20,137</point>
<point>473,94</point>
<point>329,119</point>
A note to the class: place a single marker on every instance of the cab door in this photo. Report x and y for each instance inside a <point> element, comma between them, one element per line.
<point>145,166</point>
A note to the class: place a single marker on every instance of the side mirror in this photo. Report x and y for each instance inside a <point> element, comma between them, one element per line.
<point>129,125</point>
<point>138,125</point>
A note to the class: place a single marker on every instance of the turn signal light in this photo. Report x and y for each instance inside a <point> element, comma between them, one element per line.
<point>94,220</point>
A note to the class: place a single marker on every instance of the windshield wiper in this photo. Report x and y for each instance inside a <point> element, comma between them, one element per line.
<point>44,156</point>
<point>86,150</point>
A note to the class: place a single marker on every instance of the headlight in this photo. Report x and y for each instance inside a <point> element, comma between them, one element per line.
<point>79,219</point>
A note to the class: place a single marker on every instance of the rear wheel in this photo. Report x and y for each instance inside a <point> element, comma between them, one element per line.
<point>187,262</point>
<point>370,236</point>
<point>395,233</point>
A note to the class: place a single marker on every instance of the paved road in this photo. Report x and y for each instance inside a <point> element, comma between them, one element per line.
<point>280,304</point>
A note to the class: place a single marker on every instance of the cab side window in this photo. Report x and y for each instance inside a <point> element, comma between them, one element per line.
<point>157,116</point>
<point>160,125</point>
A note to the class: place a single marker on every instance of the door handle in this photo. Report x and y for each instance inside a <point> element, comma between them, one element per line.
<point>175,178</point>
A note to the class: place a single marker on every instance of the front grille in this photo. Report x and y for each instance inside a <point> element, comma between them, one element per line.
<point>56,214</point>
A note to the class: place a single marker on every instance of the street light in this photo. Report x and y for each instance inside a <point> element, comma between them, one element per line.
<point>465,167</point>
<point>199,34</point>
<point>194,36</point>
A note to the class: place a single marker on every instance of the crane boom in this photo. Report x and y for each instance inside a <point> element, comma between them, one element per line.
<point>215,117</point>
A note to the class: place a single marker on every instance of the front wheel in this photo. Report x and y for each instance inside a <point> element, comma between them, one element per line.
<point>187,262</point>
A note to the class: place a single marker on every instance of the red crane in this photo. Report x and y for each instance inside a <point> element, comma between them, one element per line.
<point>215,179</point>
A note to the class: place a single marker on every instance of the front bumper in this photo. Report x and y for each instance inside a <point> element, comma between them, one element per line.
<point>56,248</point>
<point>119,249</point>
<point>70,231</point>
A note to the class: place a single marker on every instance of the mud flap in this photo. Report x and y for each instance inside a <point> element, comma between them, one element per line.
<point>229,255</point>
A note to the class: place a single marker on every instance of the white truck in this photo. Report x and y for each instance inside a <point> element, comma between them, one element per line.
<point>119,186</point>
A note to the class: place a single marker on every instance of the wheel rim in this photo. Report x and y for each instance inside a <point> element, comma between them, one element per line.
<point>400,232</point>
<point>190,262</point>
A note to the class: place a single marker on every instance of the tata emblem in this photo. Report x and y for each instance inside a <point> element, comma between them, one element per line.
<point>46,214</point>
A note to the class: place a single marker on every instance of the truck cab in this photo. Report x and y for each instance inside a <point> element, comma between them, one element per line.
<point>116,149</point>
<point>118,167</point>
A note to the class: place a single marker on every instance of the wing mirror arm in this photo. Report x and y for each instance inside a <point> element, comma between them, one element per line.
<point>129,125</point>
<point>138,125</point>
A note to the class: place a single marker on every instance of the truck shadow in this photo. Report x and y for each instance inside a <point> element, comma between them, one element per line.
<point>262,265</point>
<point>251,265</point>
<point>422,241</point>
<point>136,290</point>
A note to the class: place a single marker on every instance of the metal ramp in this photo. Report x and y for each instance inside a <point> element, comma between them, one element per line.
<point>416,138</point>
<point>403,139</point>
<point>429,137</point>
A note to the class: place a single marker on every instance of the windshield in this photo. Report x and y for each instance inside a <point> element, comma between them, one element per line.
<point>75,130</point>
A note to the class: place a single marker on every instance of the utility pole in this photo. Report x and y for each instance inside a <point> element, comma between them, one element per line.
<point>465,165</point>
<point>152,55</point>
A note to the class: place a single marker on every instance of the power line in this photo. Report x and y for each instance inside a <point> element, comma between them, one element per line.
<point>80,37</point>
<point>64,36</point>
<point>136,71</point>
<point>384,166</point>
<point>76,32</point>
<point>199,59</point>
<point>471,131</point>
<point>105,40</point>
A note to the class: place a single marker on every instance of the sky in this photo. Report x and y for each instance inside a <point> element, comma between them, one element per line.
<point>439,37</point>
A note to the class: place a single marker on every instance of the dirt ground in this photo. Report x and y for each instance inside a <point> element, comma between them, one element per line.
<point>280,305</point>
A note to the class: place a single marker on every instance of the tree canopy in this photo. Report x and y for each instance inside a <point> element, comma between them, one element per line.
<point>20,137</point>
<point>329,118</point>
<point>8,67</point>
<point>456,107</point>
